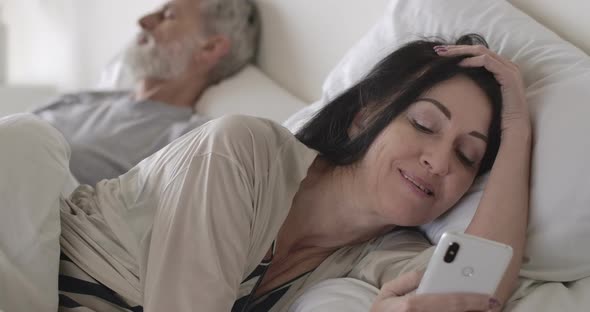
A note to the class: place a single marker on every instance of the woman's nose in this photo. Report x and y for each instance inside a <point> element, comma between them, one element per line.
<point>437,161</point>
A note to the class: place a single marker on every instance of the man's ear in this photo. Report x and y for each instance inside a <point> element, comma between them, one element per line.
<point>213,50</point>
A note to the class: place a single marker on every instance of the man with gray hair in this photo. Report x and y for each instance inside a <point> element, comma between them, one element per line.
<point>182,48</point>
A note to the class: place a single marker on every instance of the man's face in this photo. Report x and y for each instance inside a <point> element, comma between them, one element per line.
<point>167,42</point>
<point>174,21</point>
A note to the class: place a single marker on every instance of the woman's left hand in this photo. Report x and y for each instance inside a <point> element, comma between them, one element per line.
<point>395,296</point>
<point>515,112</point>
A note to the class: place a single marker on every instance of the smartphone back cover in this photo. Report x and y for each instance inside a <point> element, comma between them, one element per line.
<point>477,268</point>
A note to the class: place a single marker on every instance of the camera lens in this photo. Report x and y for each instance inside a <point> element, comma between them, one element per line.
<point>451,253</point>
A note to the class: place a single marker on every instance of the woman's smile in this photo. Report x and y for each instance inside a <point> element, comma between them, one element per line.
<point>419,188</point>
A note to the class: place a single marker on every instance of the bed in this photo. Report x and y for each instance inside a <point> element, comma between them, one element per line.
<point>301,65</point>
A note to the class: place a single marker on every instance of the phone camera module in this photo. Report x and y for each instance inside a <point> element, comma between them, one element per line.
<point>451,252</point>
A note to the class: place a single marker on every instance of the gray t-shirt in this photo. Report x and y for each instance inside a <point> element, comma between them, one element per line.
<point>110,132</point>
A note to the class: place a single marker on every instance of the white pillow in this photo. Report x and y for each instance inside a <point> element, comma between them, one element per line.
<point>557,75</point>
<point>248,92</point>
<point>115,75</point>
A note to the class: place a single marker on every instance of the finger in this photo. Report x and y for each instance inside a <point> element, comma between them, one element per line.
<point>455,50</point>
<point>457,302</point>
<point>402,285</point>
<point>492,65</point>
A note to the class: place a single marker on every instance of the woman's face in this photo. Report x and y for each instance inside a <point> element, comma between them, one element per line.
<point>427,158</point>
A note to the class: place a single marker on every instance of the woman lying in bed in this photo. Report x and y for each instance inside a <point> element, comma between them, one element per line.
<point>241,215</point>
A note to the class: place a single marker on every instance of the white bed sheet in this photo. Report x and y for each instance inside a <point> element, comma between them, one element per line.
<point>350,295</point>
<point>554,296</point>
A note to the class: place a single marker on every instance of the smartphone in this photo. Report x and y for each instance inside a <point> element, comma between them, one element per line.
<point>465,263</point>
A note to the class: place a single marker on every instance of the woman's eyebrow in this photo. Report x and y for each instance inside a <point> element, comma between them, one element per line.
<point>447,113</point>
<point>479,136</point>
<point>438,105</point>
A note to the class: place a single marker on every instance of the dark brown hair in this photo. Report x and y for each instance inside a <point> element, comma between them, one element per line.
<point>386,91</point>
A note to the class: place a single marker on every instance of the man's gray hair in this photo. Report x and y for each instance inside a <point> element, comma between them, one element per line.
<point>239,21</point>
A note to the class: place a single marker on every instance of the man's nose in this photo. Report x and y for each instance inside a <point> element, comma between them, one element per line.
<point>148,22</point>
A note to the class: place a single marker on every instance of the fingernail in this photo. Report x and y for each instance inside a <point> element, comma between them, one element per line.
<point>440,49</point>
<point>494,303</point>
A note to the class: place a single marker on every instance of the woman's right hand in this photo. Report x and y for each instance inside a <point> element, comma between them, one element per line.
<point>395,297</point>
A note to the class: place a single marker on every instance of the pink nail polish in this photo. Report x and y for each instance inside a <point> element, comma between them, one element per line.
<point>441,50</point>
<point>494,303</point>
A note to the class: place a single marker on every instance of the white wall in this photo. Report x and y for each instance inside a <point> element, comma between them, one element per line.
<point>39,48</point>
<point>65,43</point>
<point>293,26</point>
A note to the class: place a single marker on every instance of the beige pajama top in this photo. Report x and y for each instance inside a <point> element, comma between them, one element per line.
<point>181,230</point>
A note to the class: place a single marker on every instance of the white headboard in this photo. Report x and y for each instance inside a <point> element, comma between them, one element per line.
<point>303,39</point>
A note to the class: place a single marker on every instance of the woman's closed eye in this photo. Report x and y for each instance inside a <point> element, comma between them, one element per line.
<point>465,160</point>
<point>421,127</point>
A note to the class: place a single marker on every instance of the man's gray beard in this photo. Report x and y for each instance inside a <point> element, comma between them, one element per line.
<point>158,62</point>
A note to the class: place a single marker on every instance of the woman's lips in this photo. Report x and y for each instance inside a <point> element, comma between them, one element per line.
<point>421,188</point>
